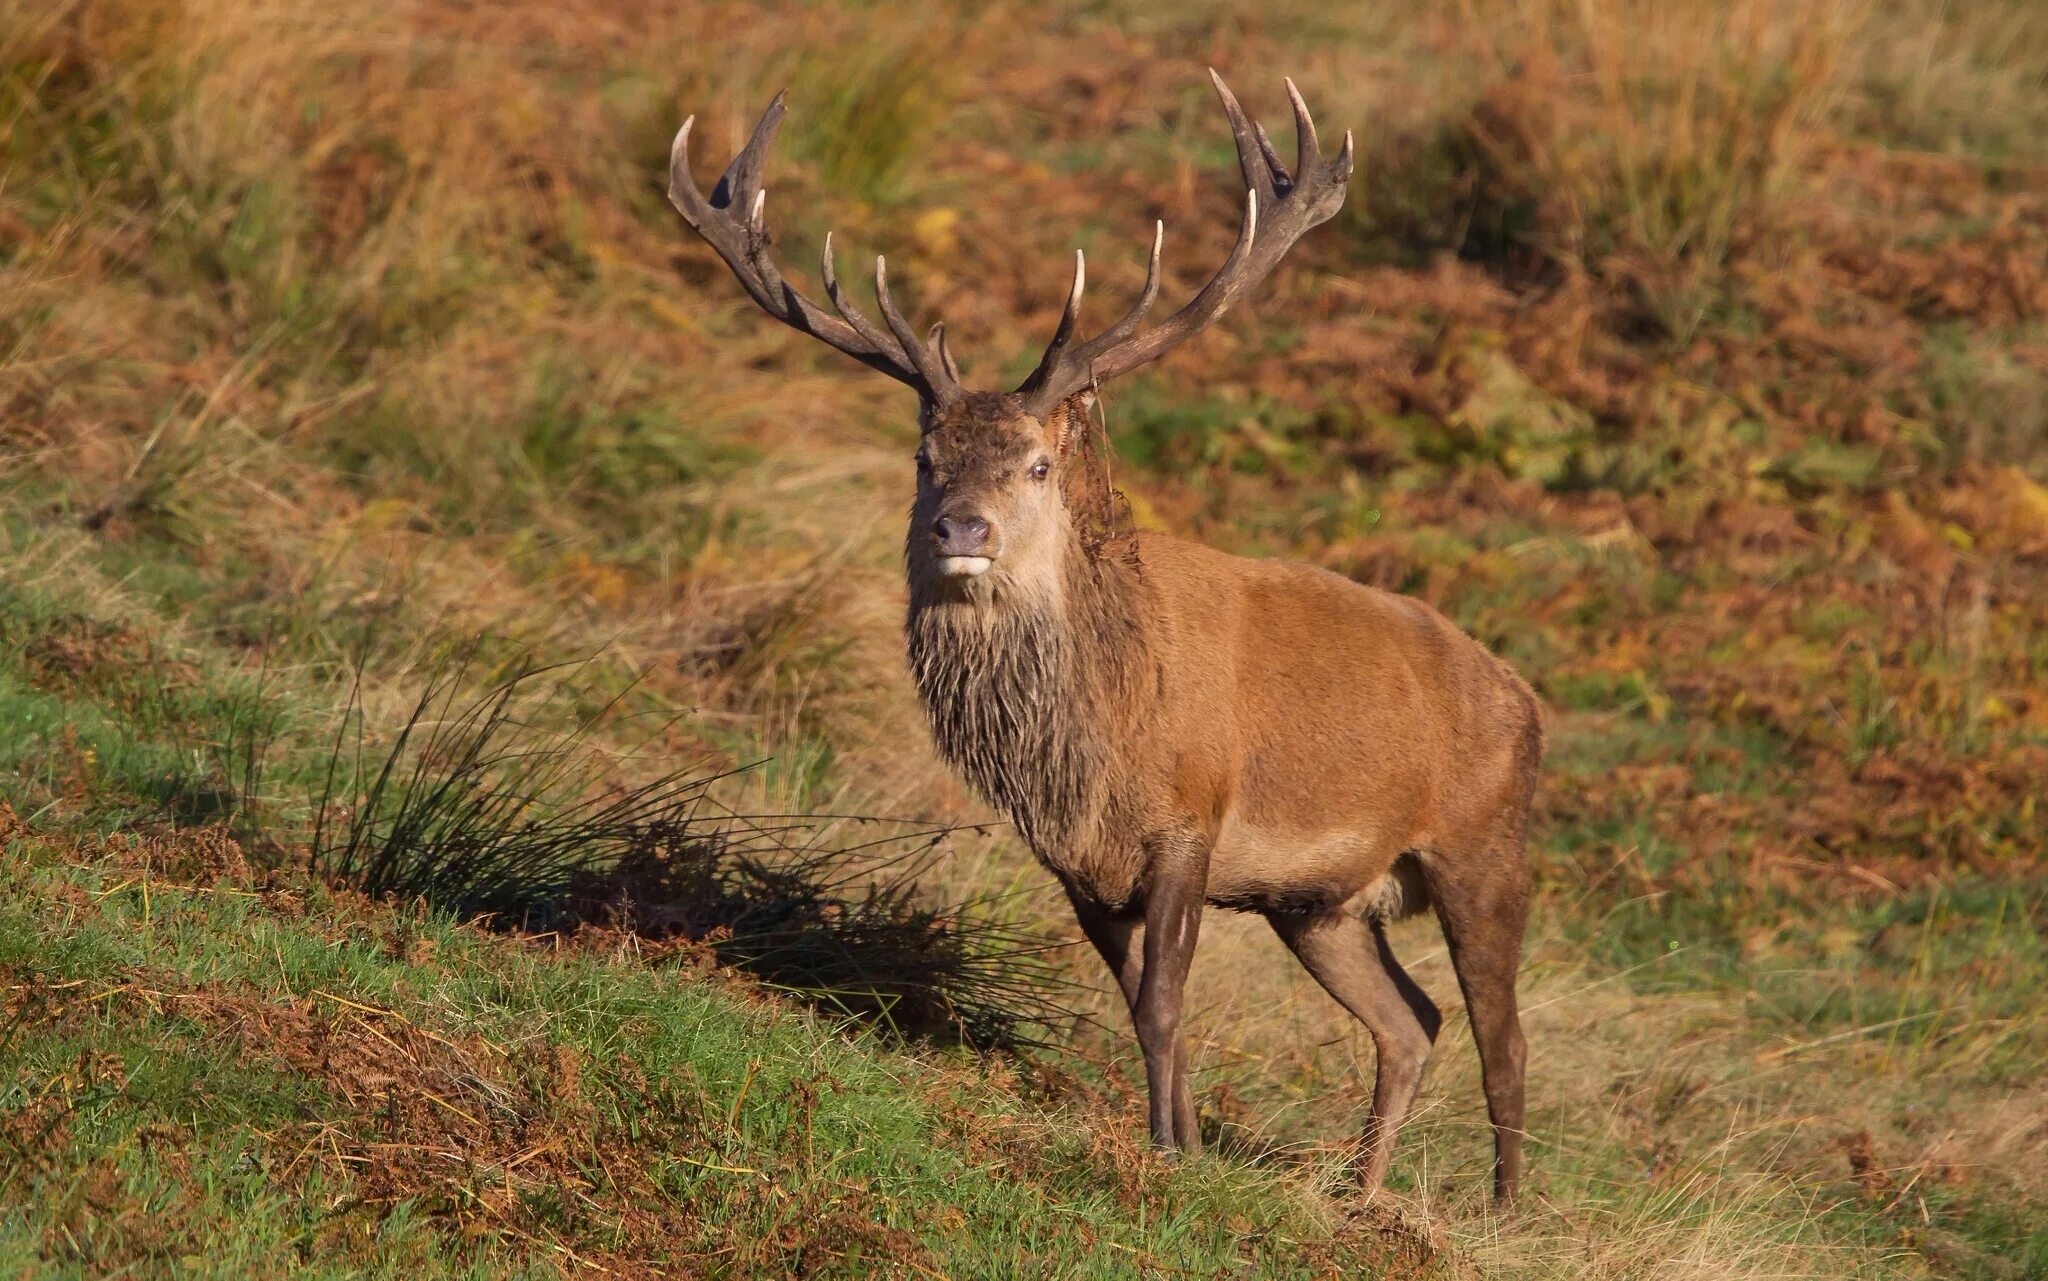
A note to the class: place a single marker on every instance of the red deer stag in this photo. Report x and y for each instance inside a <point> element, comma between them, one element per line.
<point>1169,726</point>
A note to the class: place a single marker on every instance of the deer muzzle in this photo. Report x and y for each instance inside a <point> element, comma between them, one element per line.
<point>962,544</point>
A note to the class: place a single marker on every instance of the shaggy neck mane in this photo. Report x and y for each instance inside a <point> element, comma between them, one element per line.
<point>1029,692</point>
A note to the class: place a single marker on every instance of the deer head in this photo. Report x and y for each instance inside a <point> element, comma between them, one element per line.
<point>992,492</point>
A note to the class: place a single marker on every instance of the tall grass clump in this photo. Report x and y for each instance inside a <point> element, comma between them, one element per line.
<point>1643,143</point>
<point>473,805</point>
<point>872,106</point>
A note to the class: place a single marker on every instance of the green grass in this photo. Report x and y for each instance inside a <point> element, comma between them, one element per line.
<point>184,1085</point>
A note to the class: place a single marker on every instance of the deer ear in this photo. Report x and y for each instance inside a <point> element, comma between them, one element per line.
<point>1069,422</point>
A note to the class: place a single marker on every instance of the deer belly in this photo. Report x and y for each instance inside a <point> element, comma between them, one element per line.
<point>1260,869</point>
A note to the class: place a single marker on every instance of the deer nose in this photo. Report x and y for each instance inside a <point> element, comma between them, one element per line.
<point>960,535</point>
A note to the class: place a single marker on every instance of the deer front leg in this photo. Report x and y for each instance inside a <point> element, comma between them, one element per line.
<point>1173,918</point>
<point>1113,935</point>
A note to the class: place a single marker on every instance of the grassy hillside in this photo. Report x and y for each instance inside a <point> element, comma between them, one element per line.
<point>216,1064</point>
<point>1690,355</point>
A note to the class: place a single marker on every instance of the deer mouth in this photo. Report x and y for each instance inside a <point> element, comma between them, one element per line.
<point>965,566</point>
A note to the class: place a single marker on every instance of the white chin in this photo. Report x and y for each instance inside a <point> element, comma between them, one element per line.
<point>964,566</point>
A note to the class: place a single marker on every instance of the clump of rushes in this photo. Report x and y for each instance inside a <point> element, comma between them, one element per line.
<point>473,808</point>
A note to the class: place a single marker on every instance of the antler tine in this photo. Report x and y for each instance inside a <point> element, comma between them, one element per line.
<point>742,178</point>
<point>1128,324</point>
<point>1282,180</point>
<point>734,222</point>
<point>1063,335</point>
<point>867,329</point>
<point>1280,207</point>
<point>1307,149</point>
<point>937,337</point>
<point>1254,152</point>
<point>929,365</point>
<point>1150,294</point>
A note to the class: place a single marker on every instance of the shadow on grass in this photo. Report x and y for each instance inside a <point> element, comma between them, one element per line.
<point>473,807</point>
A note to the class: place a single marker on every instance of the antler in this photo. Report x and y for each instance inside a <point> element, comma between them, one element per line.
<point>1279,208</point>
<point>733,222</point>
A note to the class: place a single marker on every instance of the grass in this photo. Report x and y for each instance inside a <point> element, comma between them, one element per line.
<point>474,809</point>
<point>1689,355</point>
<point>210,1079</point>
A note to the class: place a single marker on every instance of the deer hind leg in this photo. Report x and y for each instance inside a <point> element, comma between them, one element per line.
<point>1113,934</point>
<point>1350,957</point>
<point>1482,903</point>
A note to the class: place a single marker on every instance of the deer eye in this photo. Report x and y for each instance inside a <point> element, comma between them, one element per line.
<point>1041,469</point>
<point>924,464</point>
